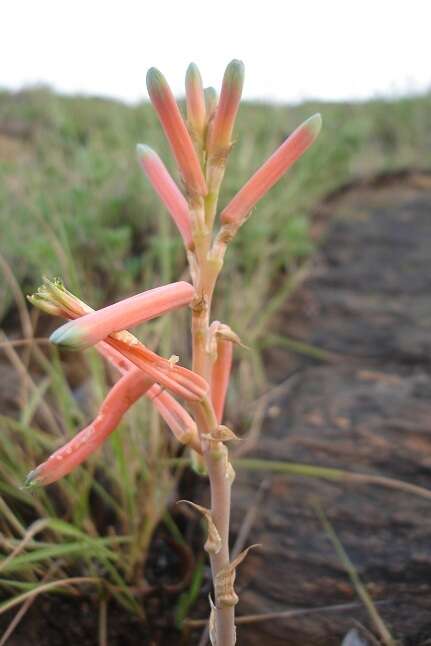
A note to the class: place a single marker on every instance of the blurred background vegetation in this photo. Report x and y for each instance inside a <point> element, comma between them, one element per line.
<point>73,203</point>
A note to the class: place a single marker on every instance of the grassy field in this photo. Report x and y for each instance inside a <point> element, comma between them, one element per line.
<point>73,203</point>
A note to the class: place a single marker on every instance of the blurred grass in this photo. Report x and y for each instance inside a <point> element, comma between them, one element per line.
<point>74,203</point>
<point>98,521</point>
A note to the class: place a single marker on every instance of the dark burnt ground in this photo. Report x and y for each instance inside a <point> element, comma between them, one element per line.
<point>367,409</point>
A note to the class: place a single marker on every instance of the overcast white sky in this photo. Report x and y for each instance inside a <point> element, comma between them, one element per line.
<point>329,49</point>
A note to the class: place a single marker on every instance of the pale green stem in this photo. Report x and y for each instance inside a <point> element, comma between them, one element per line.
<point>214,453</point>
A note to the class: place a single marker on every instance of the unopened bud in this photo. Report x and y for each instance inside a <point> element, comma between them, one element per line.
<point>196,109</point>
<point>224,119</point>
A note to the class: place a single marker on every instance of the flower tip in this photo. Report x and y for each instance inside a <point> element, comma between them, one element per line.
<point>144,152</point>
<point>211,94</point>
<point>192,73</point>
<point>234,73</point>
<point>155,80</point>
<point>314,125</point>
<point>32,479</point>
<point>196,110</point>
<point>68,336</point>
<point>176,132</point>
<point>211,99</point>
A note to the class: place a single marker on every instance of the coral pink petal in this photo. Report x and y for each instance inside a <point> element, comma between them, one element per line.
<point>195,99</point>
<point>125,393</point>
<point>176,132</point>
<point>211,100</point>
<point>92,328</point>
<point>114,357</point>
<point>220,376</point>
<point>181,381</point>
<point>227,108</point>
<point>271,171</point>
<point>176,417</point>
<point>167,190</point>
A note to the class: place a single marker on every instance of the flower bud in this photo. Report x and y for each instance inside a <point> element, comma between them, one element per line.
<point>220,138</point>
<point>196,109</point>
<point>176,132</point>
<point>271,171</point>
<point>167,190</point>
<point>210,102</point>
<point>92,328</point>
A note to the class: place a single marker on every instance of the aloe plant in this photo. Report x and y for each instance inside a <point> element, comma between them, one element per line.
<point>200,146</point>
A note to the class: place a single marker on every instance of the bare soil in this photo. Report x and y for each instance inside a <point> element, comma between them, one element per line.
<point>367,408</point>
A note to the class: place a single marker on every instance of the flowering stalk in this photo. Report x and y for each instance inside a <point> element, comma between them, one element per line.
<point>212,353</point>
<point>201,149</point>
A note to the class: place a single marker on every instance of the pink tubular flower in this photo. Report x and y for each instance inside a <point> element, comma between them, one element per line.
<point>176,417</point>
<point>210,94</point>
<point>94,327</point>
<point>125,393</point>
<point>271,171</point>
<point>55,299</point>
<point>167,190</point>
<point>224,120</point>
<point>121,348</point>
<point>176,132</point>
<point>196,109</point>
<point>220,374</point>
<point>181,381</point>
<point>114,357</point>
